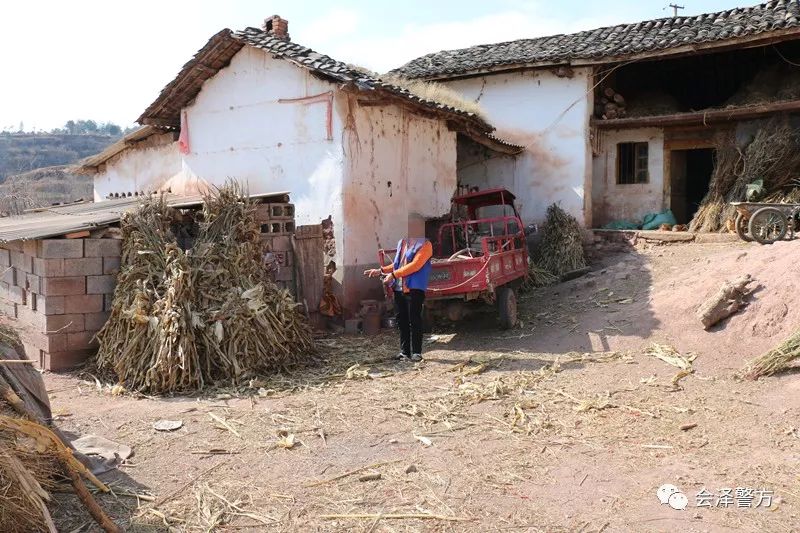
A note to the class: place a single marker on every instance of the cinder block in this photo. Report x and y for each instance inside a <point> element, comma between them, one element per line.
<point>14,246</point>
<point>33,283</point>
<point>18,295</point>
<point>35,320</point>
<point>102,247</point>
<point>50,268</point>
<point>57,361</point>
<point>50,305</point>
<point>64,323</point>
<point>22,262</point>
<point>49,342</point>
<point>63,286</point>
<point>95,321</point>
<point>111,265</point>
<point>281,211</point>
<point>83,340</point>
<point>108,302</point>
<point>100,284</point>
<point>5,258</point>
<point>59,248</point>
<point>8,309</point>
<point>31,352</point>
<point>262,212</point>
<point>83,303</point>
<point>282,243</point>
<point>29,247</point>
<point>9,275</point>
<point>83,266</point>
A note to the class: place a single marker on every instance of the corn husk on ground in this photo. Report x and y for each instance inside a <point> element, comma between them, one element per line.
<point>561,248</point>
<point>182,320</point>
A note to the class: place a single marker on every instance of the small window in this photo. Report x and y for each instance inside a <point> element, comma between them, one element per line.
<point>632,163</point>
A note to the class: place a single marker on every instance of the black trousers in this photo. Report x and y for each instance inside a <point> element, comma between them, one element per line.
<point>409,320</point>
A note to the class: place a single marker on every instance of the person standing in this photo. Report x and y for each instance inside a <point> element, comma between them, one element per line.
<point>408,277</point>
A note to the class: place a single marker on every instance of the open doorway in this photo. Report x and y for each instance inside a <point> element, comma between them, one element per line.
<point>690,175</point>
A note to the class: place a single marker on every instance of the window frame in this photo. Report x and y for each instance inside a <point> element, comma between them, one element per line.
<point>635,170</point>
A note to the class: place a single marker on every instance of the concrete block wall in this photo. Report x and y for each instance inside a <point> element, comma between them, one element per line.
<point>60,292</point>
<point>277,227</point>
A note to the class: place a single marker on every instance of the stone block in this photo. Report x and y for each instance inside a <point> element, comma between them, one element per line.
<point>111,265</point>
<point>18,295</point>
<point>49,342</point>
<point>49,268</point>
<point>56,361</point>
<point>65,286</point>
<point>102,247</point>
<point>82,340</point>
<point>83,266</point>
<point>9,275</point>
<point>5,258</point>
<point>22,262</point>
<point>65,323</point>
<point>83,303</point>
<point>100,284</point>
<point>30,248</point>
<point>95,321</point>
<point>33,283</point>
<point>60,248</point>
<point>108,302</point>
<point>50,305</point>
<point>281,243</point>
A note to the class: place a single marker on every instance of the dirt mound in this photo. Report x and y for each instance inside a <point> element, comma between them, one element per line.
<point>772,314</point>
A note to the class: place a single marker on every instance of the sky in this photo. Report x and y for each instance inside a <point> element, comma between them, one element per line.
<point>107,61</point>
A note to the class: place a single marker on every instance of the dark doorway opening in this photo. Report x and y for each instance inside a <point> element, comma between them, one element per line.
<point>690,175</point>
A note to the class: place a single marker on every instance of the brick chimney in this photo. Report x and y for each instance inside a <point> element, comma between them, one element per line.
<point>277,27</point>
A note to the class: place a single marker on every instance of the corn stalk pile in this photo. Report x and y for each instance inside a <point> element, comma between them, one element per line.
<point>538,277</point>
<point>184,319</point>
<point>773,156</point>
<point>561,248</point>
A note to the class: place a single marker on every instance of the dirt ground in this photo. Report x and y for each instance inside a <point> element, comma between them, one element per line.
<point>566,423</point>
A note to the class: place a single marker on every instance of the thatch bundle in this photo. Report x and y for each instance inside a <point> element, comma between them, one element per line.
<point>773,156</point>
<point>182,319</point>
<point>561,248</point>
<point>776,360</point>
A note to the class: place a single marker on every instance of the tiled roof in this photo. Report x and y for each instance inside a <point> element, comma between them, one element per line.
<point>618,41</point>
<point>219,51</point>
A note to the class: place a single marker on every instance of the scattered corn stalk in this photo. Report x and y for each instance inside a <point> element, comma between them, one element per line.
<point>775,360</point>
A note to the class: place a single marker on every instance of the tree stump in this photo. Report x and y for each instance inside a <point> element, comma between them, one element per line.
<point>727,300</point>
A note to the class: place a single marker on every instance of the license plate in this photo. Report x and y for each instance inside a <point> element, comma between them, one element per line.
<point>440,275</point>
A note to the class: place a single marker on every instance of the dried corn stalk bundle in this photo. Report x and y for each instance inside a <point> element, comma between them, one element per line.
<point>538,277</point>
<point>561,248</point>
<point>772,156</point>
<point>774,361</point>
<point>183,319</point>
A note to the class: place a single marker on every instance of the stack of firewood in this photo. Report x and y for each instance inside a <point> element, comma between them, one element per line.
<point>611,105</point>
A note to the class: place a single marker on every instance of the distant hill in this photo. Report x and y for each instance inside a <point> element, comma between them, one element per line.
<point>43,187</point>
<point>33,168</point>
<point>23,152</point>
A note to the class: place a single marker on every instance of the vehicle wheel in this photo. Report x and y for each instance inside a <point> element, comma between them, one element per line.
<point>742,228</point>
<point>507,306</point>
<point>768,225</point>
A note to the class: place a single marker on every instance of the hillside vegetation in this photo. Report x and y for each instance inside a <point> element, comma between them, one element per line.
<point>20,153</point>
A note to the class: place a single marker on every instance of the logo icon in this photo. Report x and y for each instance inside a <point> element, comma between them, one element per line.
<point>672,496</point>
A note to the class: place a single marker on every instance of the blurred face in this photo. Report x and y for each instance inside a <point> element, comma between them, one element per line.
<point>416,225</point>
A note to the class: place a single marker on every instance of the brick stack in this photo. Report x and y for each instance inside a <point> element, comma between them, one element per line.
<point>277,228</point>
<point>60,290</point>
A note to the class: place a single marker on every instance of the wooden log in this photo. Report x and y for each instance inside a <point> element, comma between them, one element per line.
<point>609,92</point>
<point>619,100</point>
<point>727,300</point>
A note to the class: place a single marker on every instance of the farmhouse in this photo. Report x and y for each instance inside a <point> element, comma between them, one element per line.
<point>625,120</point>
